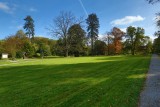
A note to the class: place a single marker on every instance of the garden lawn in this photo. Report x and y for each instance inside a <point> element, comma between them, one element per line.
<point>114,81</point>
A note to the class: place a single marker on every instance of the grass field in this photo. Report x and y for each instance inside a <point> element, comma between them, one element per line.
<point>73,82</point>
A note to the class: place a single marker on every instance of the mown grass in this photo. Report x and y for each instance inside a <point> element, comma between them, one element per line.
<point>74,82</point>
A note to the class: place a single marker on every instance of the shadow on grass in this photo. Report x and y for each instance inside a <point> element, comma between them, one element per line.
<point>99,84</point>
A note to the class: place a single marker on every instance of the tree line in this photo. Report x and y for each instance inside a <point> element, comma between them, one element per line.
<point>75,39</point>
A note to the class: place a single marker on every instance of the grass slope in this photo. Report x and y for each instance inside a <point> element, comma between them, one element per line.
<point>73,82</point>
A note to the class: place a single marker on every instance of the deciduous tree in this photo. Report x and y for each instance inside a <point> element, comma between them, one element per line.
<point>117,37</point>
<point>76,39</point>
<point>61,25</point>
<point>135,36</point>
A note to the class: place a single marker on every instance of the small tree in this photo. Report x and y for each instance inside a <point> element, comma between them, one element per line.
<point>11,46</point>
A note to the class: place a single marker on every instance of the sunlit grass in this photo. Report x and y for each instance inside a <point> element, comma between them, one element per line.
<point>114,81</point>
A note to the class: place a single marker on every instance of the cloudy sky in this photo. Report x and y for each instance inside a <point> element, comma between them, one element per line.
<point>119,13</point>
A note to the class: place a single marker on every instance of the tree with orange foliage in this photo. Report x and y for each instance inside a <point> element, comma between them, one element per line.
<point>117,37</point>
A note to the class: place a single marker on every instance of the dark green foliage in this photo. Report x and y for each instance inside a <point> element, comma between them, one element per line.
<point>29,27</point>
<point>76,40</point>
<point>92,28</point>
<point>44,50</point>
<point>29,49</point>
<point>60,48</point>
<point>100,48</point>
<point>19,54</point>
<point>135,37</point>
<point>156,45</point>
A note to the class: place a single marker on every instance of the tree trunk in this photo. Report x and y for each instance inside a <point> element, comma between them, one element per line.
<point>66,48</point>
<point>92,46</point>
<point>108,45</point>
<point>133,47</point>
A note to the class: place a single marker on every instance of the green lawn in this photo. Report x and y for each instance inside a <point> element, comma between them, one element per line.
<point>73,82</point>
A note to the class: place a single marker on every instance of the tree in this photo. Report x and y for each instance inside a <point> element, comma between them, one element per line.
<point>148,44</point>
<point>11,46</point>
<point>127,46</point>
<point>108,39</point>
<point>135,37</point>
<point>156,45</point>
<point>93,25</point>
<point>52,43</point>
<point>117,37</point>
<point>60,47</point>
<point>1,46</point>
<point>22,37</point>
<point>29,27</point>
<point>100,47</point>
<point>29,49</point>
<point>131,31</point>
<point>62,23</point>
<point>76,39</point>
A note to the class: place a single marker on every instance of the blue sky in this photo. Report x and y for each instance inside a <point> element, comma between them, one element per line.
<point>119,13</point>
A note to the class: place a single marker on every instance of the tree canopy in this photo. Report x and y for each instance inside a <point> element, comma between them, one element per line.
<point>93,29</point>
<point>29,27</point>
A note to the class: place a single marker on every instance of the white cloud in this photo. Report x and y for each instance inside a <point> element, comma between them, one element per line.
<point>8,8</point>
<point>4,7</point>
<point>100,35</point>
<point>123,29</point>
<point>127,20</point>
<point>20,27</point>
<point>32,9</point>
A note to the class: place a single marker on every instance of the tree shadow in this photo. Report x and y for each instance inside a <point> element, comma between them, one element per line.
<point>107,83</point>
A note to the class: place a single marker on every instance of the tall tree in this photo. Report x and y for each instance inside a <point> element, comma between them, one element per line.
<point>117,35</point>
<point>62,23</point>
<point>76,39</point>
<point>93,25</point>
<point>131,31</point>
<point>29,27</point>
